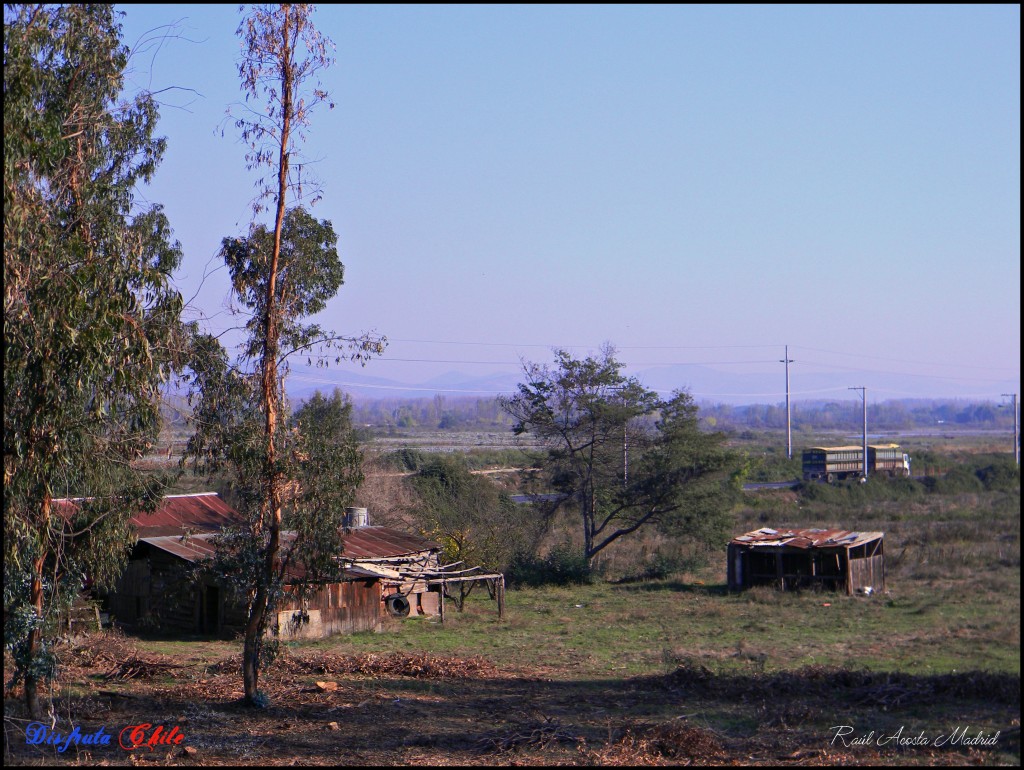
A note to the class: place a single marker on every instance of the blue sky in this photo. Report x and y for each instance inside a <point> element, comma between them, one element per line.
<point>694,184</point>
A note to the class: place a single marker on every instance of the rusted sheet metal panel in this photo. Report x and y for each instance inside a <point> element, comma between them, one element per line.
<point>381,542</point>
<point>200,512</point>
<point>203,512</point>
<point>193,548</point>
<point>805,538</point>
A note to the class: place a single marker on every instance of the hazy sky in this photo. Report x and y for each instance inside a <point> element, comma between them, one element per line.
<point>693,184</point>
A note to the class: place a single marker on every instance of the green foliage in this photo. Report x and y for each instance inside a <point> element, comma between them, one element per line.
<point>328,474</point>
<point>959,478</point>
<point>1002,474</point>
<point>91,320</point>
<point>564,565</point>
<point>406,459</point>
<point>474,522</point>
<point>310,273</point>
<point>852,493</point>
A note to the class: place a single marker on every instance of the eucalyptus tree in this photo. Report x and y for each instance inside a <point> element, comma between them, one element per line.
<point>280,274</point>
<point>91,318</point>
<point>620,455</point>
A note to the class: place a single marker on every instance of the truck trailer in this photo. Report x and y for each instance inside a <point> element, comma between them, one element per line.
<point>843,462</point>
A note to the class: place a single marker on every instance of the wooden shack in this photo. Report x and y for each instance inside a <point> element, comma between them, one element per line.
<point>789,559</point>
<point>385,573</point>
<point>161,590</point>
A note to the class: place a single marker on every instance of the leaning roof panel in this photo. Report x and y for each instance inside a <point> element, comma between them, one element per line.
<point>806,538</point>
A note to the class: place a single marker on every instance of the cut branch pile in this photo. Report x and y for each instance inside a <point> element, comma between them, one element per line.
<point>535,736</point>
<point>98,650</point>
<point>672,742</point>
<point>140,668</point>
<point>421,665</point>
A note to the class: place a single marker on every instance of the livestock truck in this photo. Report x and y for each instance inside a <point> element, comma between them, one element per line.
<point>833,463</point>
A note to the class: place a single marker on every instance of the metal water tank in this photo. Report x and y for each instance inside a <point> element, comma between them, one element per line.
<point>356,517</point>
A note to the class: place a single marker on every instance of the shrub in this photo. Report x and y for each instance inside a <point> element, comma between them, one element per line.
<point>1002,475</point>
<point>406,459</point>
<point>958,479</point>
<point>563,566</point>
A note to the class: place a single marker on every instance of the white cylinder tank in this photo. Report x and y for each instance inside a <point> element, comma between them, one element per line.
<point>356,517</point>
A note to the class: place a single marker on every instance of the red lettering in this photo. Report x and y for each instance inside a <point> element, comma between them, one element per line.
<point>134,736</point>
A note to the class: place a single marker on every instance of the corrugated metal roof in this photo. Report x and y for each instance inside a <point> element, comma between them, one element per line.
<point>806,538</point>
<point>383,542</point>
<point>193,548</point>
<point>202,512</point>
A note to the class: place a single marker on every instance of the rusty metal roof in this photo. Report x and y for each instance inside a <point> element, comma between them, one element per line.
<point>193,548</point>
<point>806,538</point>
<point>202,512</point>
<point>199,512</point>
<point>383,542</point>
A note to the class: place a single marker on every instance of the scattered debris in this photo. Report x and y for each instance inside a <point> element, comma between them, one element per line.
<point>139,668</point>
<point>653,745</point>
<point>422,665</point>
<point>536,735</point>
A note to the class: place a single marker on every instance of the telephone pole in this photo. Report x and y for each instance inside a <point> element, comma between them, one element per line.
<point>789,417</point>
<point>864,398</point>
<point>1016,428</point>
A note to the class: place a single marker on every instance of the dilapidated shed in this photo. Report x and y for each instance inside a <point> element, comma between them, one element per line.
<point>385,572</point>
<point>161,589</point>
<point>413,580</point>
<point>835,559</point>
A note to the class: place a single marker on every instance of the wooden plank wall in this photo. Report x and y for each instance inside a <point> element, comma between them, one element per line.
<point>344,608</point>
<point>868,572</point>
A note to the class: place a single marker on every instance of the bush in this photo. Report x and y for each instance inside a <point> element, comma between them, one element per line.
<point>958,479</point>
<point>1002,475</point>
<point>406,459</point>
<point>563,566</point>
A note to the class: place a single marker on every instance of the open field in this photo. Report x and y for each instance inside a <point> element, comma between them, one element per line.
<point>632,672</point>
<point>673,671</point>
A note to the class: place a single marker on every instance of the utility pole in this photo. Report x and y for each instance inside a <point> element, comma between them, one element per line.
<point>864,398</point>
<point>1016,428</point>
<point>789,421</point>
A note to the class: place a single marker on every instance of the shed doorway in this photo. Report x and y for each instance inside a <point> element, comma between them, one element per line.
<point>209,612</point>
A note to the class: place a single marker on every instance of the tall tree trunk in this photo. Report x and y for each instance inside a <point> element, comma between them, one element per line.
<point>34,640</point>
<point>272,509</point>
<point>251,647</point>
<point>35,636</point>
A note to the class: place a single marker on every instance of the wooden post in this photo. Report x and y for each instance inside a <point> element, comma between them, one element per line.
<point>849,574</point>
<point>501,597</point>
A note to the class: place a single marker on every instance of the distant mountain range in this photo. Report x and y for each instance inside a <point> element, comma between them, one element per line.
<point>706,383</point>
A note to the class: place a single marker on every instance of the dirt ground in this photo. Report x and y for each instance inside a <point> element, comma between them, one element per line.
<point>423,709</point>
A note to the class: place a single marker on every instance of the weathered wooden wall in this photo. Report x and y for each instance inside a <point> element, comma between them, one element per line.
<point>340,608</point>
<point>868,572</point>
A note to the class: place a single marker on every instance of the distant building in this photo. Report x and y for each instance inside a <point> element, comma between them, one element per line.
<point>789,559</point>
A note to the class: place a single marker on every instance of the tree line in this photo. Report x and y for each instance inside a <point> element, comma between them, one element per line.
<point>472,413</point>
